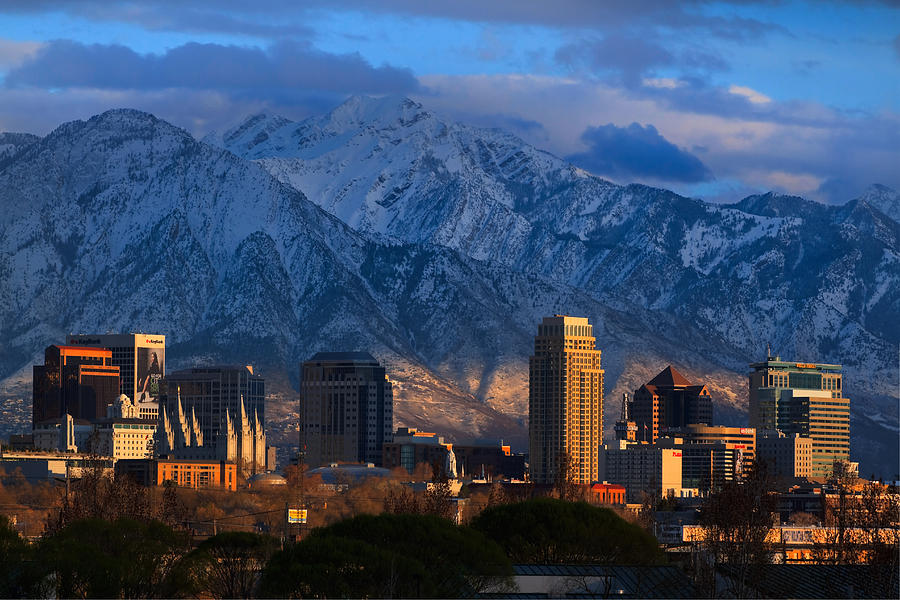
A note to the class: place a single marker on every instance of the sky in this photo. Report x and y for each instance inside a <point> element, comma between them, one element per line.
<point>715,100</point>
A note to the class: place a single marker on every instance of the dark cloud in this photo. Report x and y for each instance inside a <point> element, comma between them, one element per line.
<point>637,151</point>
<point>285,17</point>
<point>280,72</point>
<point>632,58</point>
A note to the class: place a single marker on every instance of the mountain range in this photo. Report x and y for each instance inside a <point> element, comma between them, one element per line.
<point>438,247</point>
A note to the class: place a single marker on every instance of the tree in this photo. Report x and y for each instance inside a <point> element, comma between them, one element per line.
<point>227,565</point>
<point>97,494</point>
<point>335,567</point>
<point>547,531</point>
<point>125,558</point>
<point>736,522</point>
<point>563,480</point>
<point>386,556</point>
<point>20,574</point>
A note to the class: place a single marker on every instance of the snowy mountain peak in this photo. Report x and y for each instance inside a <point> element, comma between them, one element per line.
<point>773,204</point>
<point>253,130</point>
<point>367,111</point>
<point>885,199</point>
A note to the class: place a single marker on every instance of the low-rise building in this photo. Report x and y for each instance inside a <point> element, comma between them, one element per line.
<point>643,469</point>
<point>411,447</point>
<point>785,455</point>
<point>608,493</point>
<point>706,466</point>
<point>197,473</point>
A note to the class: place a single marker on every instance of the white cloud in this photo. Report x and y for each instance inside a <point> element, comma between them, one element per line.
<point>666,83</point>
<point>749,93</point>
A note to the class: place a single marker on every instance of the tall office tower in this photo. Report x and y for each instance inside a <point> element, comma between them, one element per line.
<point>78,381</point>
<point>141,358</point>
<point>804,399</point>
<point>565,401</point>
<point>214,413</point>
<point>669,400</point>
<point>346,408</point>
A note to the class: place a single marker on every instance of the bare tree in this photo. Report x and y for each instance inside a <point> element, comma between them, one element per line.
<point>563,481</point>
<point>736,522</point>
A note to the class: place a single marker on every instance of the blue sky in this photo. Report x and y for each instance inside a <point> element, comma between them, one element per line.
<point>711,99</point>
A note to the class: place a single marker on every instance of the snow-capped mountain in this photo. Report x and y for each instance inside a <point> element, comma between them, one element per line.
<point>438,247</point>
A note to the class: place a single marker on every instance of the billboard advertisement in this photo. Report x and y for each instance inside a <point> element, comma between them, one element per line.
<point>151,367</point>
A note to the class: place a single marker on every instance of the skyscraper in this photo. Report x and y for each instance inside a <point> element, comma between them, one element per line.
<point>805,399</point>
<point>77,381</point>
<point>565,401</point>
<point>669,400</point>
<point>141,358</point>
<point>346,408</point>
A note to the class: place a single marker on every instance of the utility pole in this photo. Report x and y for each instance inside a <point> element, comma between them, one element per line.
<point>287,514</point>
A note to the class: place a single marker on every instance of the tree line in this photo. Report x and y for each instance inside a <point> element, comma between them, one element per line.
<point>109,540</point>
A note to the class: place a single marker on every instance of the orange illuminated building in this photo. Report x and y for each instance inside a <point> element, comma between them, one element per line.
<point>197,473</point>
<point>76,380</point>
<point>608,493</point>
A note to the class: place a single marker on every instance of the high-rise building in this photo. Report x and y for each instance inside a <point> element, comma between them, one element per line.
<point>565,401</point>
<point>214,413</point>
<point>669,400</point>
<point>141,358</point>
<point>346,408</point>
<point>78,381</point>
<point>805,399</point>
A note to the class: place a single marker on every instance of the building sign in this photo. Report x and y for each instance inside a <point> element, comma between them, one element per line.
<point>805,366</point>
<point>297,515</point>
<point>151,366</point>
<point>747,430</point>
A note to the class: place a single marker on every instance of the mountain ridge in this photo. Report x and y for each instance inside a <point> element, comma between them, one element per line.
<point>444,278</point>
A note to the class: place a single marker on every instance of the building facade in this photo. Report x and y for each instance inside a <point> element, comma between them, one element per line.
<point>196,473</point>
<point>346,409</point>
<point>742,439</point>
<point>642,469</point>
<point>411,447</point>
<point>79,381</point>
<point>804,399</point>
<point>565,401</point>
<point>214,413</point>
<point>141,358</point>
<point>666,401</point>
<point>785,455</point>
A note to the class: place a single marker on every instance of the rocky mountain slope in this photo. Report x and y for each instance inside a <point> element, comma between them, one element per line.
<point>438,247</point>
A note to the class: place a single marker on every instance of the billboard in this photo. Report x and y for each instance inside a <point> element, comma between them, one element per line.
<point>297,515</point>
<point>150,369</point>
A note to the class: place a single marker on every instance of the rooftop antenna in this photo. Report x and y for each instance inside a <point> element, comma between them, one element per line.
<point>768,351</point>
